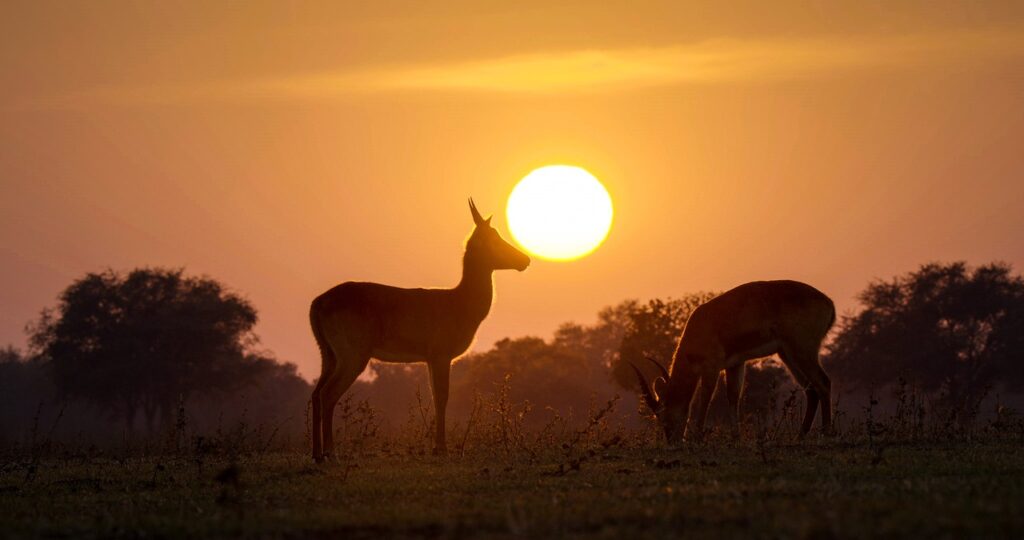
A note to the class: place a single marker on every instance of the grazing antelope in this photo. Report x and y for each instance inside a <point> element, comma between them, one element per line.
<point>751,321</point>
<point>356,321</point>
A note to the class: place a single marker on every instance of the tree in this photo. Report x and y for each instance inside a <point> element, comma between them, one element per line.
<point>145,340</point>
<point>652,330</point>
<point>273,398</point>
<point>392,392</point>
<point>23,389</point>
<point>944,326</point>
<point>599,343</point>
<point>566,373</point>
<point>545,374</point>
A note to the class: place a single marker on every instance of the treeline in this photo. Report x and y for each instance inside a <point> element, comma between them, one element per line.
<point>947,339</point>
<point>154,351</point>
<point>947,334</point>
<point>142,352</point>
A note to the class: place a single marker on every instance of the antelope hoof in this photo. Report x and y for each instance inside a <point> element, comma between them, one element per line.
<point>440,451</point>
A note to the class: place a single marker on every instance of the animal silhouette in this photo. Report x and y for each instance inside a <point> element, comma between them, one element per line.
<point>355,321</point>
<point>750,321</point>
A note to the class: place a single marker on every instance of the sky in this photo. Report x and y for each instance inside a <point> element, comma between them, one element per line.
<point>283,148</point>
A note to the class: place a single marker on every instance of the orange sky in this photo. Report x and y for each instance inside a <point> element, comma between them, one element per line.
<point>285,149</point>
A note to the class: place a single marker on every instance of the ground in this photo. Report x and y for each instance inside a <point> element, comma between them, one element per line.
<point>819,489</point>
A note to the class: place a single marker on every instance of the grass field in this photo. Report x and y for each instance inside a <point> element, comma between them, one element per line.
<point>819,489</point>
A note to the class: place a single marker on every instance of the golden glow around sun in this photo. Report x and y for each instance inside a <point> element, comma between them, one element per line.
<point>559,212</point>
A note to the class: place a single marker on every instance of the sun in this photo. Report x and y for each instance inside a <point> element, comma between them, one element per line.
<point>559,212</point>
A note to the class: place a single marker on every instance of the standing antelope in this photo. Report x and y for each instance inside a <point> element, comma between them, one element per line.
<point>753,320</point>
<point>356,321</point>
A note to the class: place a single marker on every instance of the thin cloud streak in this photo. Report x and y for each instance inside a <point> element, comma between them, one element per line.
<point>593,71</point>
<point>708,62</point>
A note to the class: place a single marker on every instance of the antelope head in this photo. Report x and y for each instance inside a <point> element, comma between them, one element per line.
<point>668,399</point>
<point>487,247</point>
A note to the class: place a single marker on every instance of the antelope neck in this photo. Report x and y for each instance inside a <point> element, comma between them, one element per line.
<point>476,288</point>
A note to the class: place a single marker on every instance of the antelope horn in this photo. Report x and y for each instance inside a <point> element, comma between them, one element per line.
<point>477,218</point>
<point>661,368</point>
<point>645,390</point>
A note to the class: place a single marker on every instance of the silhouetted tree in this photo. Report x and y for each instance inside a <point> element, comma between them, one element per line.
<point>566,374</point>
<point>766,385</point>
<point>599,343</point>
<point>944,326</point>
<point>652,329</point>
<point>10,355</point>
<point>23,389</point>
<point>546,374</point>
<point>271,397</point>
<point>144,340</point>
<point>392,392</point>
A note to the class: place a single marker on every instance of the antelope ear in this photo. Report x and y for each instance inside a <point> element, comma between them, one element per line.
<point>659,387</point>
<point>477,218</point>
<point>488,221</point>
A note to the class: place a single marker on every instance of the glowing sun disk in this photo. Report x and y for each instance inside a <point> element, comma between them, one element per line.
<point>559,212</point>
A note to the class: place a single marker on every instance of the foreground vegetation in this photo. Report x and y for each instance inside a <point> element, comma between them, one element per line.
<point>606,488</point>
<point>910,471</point>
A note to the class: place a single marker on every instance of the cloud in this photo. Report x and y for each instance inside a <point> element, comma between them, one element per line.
<point>623,69</point>
<point>604,70</point>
